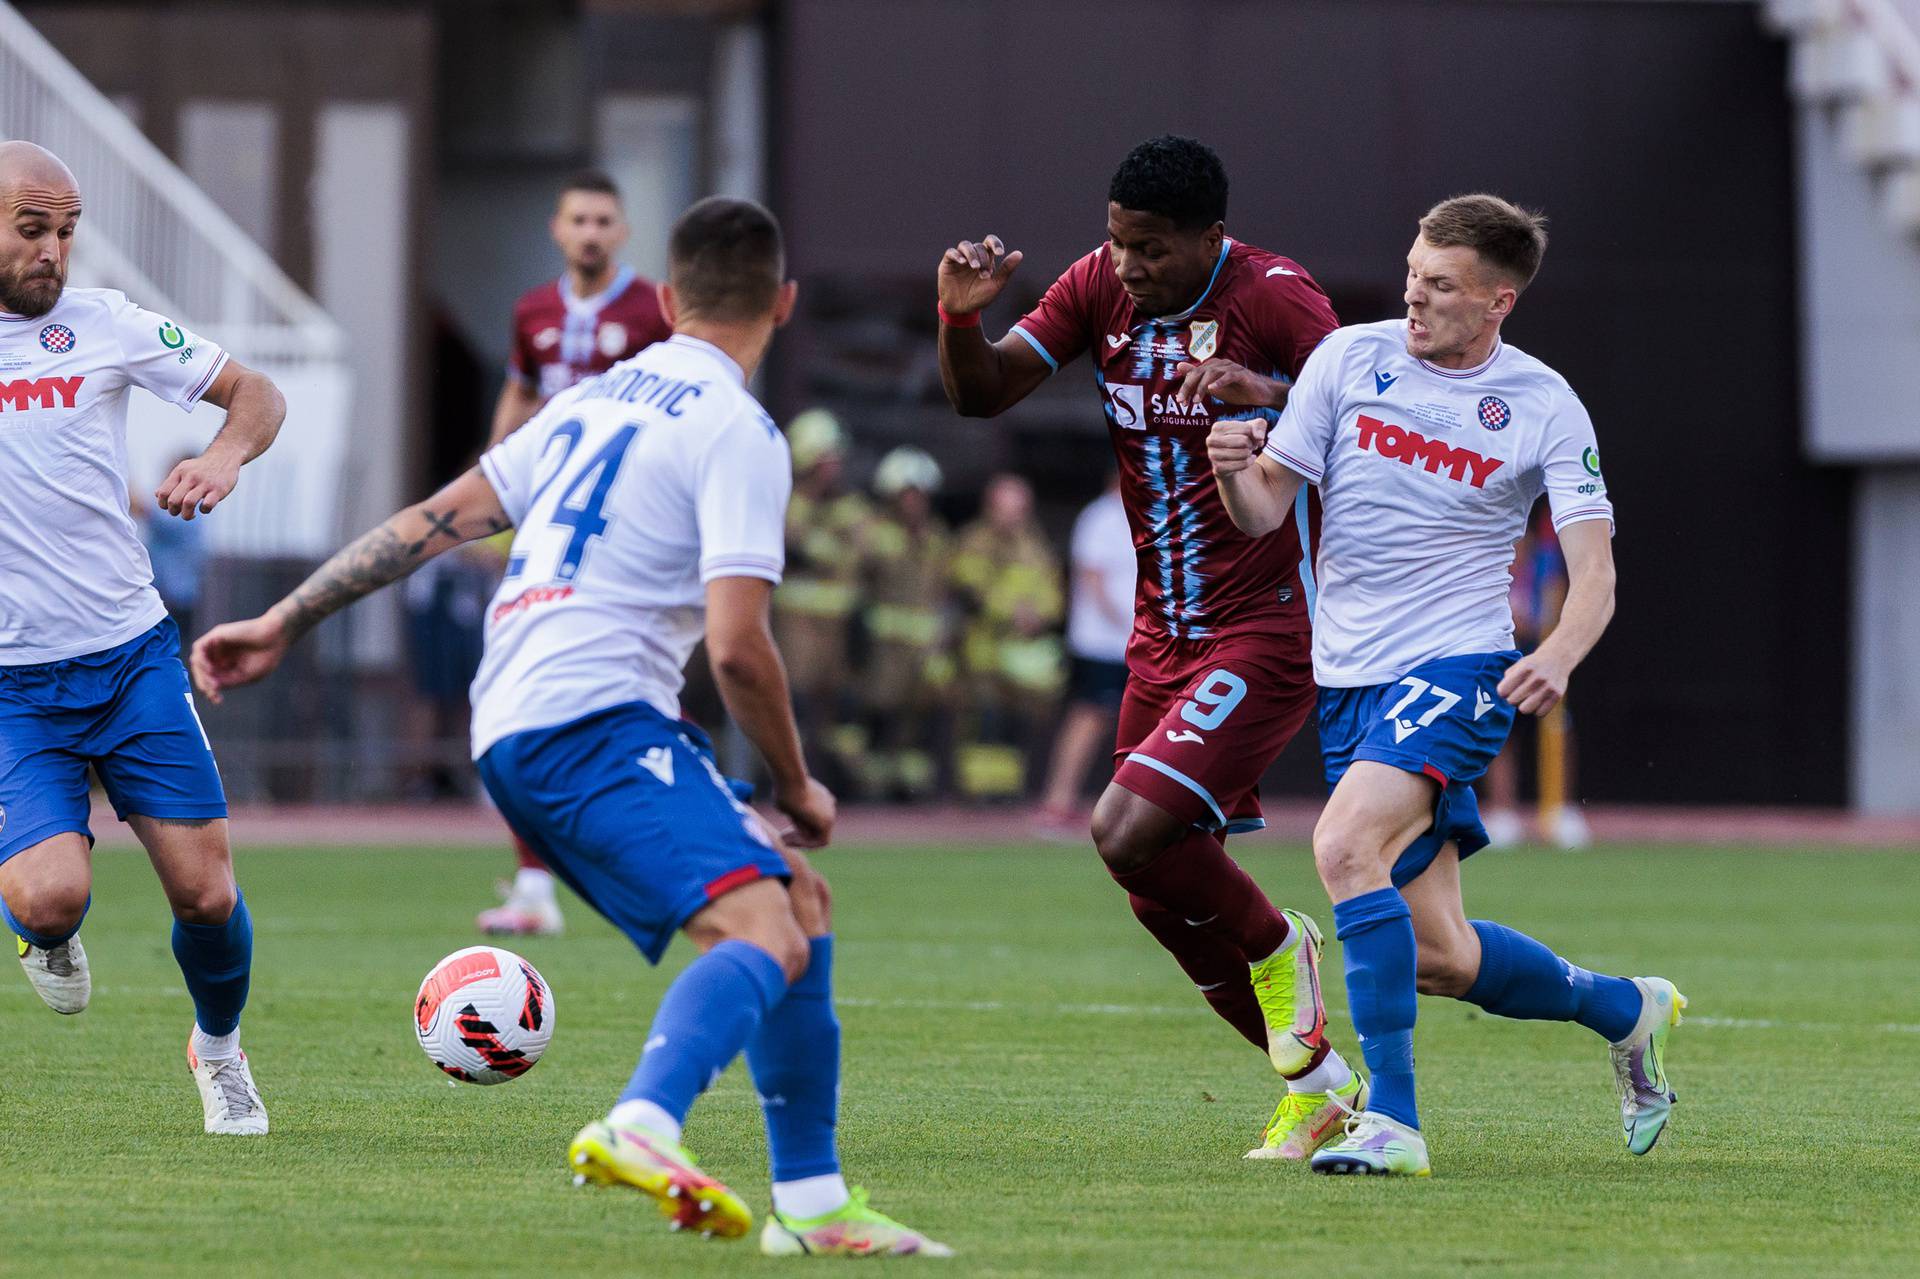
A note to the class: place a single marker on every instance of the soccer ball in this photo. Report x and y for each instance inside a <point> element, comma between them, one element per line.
<point>484,1015</point>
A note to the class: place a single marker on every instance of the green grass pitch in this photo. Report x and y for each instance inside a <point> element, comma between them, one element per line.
<point>1028,1078</point>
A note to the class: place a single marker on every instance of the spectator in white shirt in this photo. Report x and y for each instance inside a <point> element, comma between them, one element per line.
<point>1099,621</point>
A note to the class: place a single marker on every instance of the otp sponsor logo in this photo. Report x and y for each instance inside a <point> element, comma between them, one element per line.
<point>40,393</point>
<point>1413,448</point>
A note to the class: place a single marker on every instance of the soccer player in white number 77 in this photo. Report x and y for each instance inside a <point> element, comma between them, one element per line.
<point>90,669</point>
<point>1430,440</point>
<point>650,508</point>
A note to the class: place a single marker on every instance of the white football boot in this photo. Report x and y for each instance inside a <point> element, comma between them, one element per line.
<point>1505,828</point>
<point>1569,830</point>
<point>522,914</point>
<point>228,1098</point>
<point>1374,1146</point>
<point>1640,1064</point>
<point>59,974</point>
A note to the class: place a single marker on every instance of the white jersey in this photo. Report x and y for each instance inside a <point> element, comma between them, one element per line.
<point>1426,477</point>
<point>74,578</point>
<point>630,491</point>
<point>1100,622</point>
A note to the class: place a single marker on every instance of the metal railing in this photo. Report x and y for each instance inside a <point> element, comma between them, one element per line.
<point>1863,57</point>
<point>153,234</point>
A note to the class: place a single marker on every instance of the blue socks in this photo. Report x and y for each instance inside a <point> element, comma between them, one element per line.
<point>1518,978</point>
<point>1521,978</point>
<point>42,940</point>
<point>708,1015</point>
<point>795,1059</point>
<point>216,960</point>
<point>1376,933</point>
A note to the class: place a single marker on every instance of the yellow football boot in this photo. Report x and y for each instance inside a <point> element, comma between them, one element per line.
<point>608,1154</point>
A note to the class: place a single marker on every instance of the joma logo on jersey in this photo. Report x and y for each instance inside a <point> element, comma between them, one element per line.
<point>40,393</point>
<point>1413,448</point>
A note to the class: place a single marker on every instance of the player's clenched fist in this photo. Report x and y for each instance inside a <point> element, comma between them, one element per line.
<point>236,653</point>
<point>1536,683</point>
<point>1232,446</point>
<point>198,484</point>
<point>811,809</point>
<point>972,273</point>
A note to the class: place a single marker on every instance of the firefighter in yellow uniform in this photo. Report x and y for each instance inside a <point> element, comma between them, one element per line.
<point>815,606</point>
<point>907,684</point>
<point>1009,579</point>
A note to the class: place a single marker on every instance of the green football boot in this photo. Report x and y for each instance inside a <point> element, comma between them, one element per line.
<point>851,1230</point>
<point>1287,984</point>
<point>1306,1121</point>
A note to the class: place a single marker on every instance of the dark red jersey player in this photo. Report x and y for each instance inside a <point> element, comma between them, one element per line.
<point>560,338</point>
<point>595,315</point>
<point>1177,318</point>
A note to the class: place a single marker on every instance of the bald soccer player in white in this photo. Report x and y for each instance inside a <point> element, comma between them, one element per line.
<point>90,673</point>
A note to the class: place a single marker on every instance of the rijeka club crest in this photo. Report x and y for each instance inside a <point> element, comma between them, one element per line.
<point>1203,338</point>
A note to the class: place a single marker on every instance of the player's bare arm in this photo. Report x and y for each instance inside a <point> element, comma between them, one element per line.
<point>982,378</point>
<point>1228,382</point>
<point>1258,492</point>
<point>255,409</point>
<point>1536,683</point>
<point>518,402</point>
<point>237,653</point>
<point>753,683</point>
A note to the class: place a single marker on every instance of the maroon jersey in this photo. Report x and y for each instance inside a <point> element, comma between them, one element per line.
<point>1199,576</point>
<point>558,339</point>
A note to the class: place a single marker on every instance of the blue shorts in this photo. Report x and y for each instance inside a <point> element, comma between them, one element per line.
<point>628,807</point>
<point>129,713</point>
<point>1444,719</point>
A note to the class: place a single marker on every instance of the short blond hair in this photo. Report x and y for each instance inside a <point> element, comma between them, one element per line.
<point>1510,239</point>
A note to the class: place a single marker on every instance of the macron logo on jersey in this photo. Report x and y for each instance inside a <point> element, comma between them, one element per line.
<point>659,761</point>
<point>40,392</point>
<point>1411,447</point>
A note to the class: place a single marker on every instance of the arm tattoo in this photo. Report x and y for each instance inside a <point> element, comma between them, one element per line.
<point>360,569</point>
<point>436,524</point>
<point>375,559</point>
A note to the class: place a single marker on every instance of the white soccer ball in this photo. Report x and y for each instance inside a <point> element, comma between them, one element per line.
<point>484,1015</point>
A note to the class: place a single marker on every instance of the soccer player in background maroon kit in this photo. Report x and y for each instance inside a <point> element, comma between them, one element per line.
<point>1220,670</point>
<point>595,315</point>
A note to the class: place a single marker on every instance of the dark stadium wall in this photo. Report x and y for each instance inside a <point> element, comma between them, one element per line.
<point>1656,137</point>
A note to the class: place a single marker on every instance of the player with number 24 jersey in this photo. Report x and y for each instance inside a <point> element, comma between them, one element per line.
<point>583,620</point>
<point>650,505</point>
